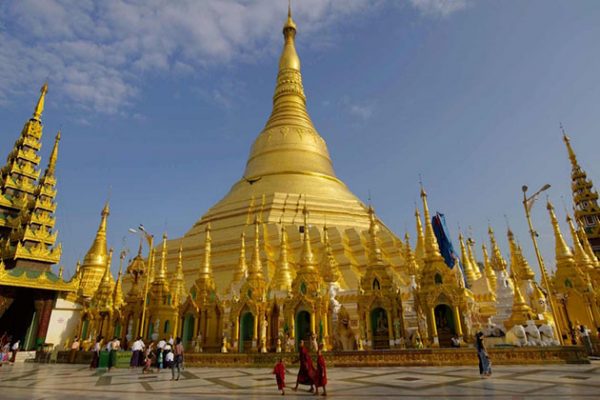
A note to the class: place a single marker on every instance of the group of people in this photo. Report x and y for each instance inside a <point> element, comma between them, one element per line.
<point>165,354</point>
<point>8,349</point>
<point>308,374</point>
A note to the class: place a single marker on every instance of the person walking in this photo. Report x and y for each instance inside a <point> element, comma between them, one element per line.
<point>136,356</point>
<point>307,370</point>
<point>178,359</point>
<point>74,349</point>
<point>485,365</point>
<point>321,374</point>
<point>96,350</point>
<point>279,372</point>
<point>113,347</point>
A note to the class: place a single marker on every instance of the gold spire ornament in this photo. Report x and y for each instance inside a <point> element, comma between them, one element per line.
<point>466,262</point>
<point>432,250</point>
<point>282,279</point>
<point>487,267</point>
<point>39,108</point>
<point>420,246</point>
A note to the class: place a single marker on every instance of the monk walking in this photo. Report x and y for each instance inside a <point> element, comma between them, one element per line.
<point>279,372</point>
<point>306,372</point>
<point>320,374</point>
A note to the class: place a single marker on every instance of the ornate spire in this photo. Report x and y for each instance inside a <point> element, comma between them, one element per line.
<point>289,143</point>
<point>581,257</point>
<point>178,281</point>
<point>471,255</point>
<point>53,157</point>
<point>97,253</point>
<point>585,199</point>
<point>162,269</point>
<point>420,246</point>
<point>520,268</point>
<point>587,247</point>
<point>375,256</point>
<point>498,262</point>
<point>307,258</point>
<point>118,299</point>
<point>242,269</point>
<point>466,262</point>
<point>282,280</point>
<point>432,250</point>
<point>521,312</point>
<point>411,263</point>
<point>487,267</point>
<point>256,268</point>
<point>39,107</point>
<point>103,297</point>
<point>206,270</point>
<point>563,253</point>
<point>329,265</point>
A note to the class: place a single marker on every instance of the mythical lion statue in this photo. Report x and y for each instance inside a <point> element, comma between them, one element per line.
<point>547,335</point>
<point>517,336</point>
<point>533,334</point>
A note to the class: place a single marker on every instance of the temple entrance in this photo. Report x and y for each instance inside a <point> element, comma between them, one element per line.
<point>246,331</point>
<point>303,328</point>
<point>274,327</point>
<point>188,330</point>
<point>380,329</point>
<point>20,320</point>
<point>444,323</point>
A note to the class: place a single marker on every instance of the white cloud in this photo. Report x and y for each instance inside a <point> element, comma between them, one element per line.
<point>441,8</point>
<point>96,54</point>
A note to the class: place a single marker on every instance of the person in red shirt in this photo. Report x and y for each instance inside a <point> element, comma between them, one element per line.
<point>279,372</point>
<point>320,373</point>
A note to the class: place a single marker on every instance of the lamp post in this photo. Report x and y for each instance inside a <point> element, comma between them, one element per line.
<point>527,204</point>
<point>150,239</point>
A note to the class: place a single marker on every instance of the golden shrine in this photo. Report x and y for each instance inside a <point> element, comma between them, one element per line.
<point>322,266</point>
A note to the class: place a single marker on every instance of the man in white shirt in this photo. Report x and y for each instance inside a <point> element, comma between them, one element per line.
<point>136,356</point>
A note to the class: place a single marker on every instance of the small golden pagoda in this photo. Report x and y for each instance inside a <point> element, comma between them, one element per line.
<point>442,293</point>
<point>95,260</point>
<point>573,290</point>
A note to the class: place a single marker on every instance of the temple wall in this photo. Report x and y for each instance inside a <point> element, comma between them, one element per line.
<point>64,322</point>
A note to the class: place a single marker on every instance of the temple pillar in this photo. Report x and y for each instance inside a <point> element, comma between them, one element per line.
<point>255,343</point>
<point>313,322</point>
<point>433,326</point>
<point>236,333</point>
<point>390,319</point>
<point>457,322</point>
<point>44,319</point>
<point>325,332</point>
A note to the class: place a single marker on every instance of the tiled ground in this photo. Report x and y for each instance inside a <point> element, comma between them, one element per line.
<point>66,382</point>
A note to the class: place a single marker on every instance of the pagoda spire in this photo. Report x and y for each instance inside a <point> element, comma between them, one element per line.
<point>420,245</point>
<point>206,270</point>
<point>471,255</point>
<point>375,256</point>
<point>329,265</point>
<point>432,250</point>
<point>103,296</point>
<point>579,254</point>
<point>587,247</point>
<point>411,263</point>
<point>519,266</point>
<point>466,262</point>
<point>256,269</point>
<point>39,107</point>
<point>307,258</point>
<point>242,269</point>
<point>162,269</point>
<point>118,299</point>
<point>521,312</point>
<point>282,280</point>
<point>50,170</point>
<point>178,281</point>
<point>585,199</point>
<point>497,261</point>
<point>490,274</point>
<point>563,253</point>
<point>96,257</point>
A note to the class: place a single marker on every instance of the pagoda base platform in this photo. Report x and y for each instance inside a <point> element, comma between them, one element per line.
<point>377,358</point>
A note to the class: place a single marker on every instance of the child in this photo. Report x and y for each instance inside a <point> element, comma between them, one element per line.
<point>148,365</point>
<point>279,372</point>
<point>320,374</point>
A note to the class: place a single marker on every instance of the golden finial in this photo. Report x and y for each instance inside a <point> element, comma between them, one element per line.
<point>307,255</point>
<point>60,272</point>
<point>570,151</point>
<point>53,156</point>
<point>375,256</point>
<point>256,264</point>
<point>498,262</point>
<point>466,262</point>
<point>39,108</point>
<point>490,274</point>
<point>242,269</point>
<point>162,271</point>
<point>179,271</point>
<point>580,255</point>
<point>282,280</point>
<point>289,58</point>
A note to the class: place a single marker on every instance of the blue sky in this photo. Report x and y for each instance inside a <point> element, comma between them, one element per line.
<point>159,105</point>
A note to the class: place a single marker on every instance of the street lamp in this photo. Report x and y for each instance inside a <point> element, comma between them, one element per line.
<point>527,204</point>
<point>150,239</point>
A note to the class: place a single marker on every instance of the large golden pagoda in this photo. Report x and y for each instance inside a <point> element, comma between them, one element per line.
<point>288,167</point>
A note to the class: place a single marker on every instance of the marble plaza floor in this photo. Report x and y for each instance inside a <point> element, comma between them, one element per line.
<point>65,382</point>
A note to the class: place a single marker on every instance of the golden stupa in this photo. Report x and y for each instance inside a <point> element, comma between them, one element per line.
<point>289,167</point>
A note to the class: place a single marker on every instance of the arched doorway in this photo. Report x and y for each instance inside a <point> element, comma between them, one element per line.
<point>188,330</point>
<point>302,327</point>
<point>380,329</point>
<point>274,327</point>
<point>444,322</point>
<point>246,331</point>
